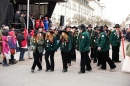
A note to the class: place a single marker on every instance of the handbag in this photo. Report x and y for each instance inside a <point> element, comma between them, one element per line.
<point>7,55</point>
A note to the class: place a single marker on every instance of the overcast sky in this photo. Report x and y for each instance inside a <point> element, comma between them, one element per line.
<point>117,10</point>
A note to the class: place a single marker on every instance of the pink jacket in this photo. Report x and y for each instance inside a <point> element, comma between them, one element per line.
<point>5,46</point>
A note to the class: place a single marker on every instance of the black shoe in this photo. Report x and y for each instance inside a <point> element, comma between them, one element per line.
<point>118,61</point>
<point>40,69</point>
<point>51,70</point>
<point>98,65</point>
<point>32,71</point>
<point>30,58</point>
<point>64,70</point>
<point>47,70</point>
<point>80,72</point>
<point>89,69</point>
<point>69,64</point>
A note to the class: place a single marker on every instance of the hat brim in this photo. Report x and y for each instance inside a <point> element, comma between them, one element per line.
<point>50,31</point>
<point>116,27</point>
<point>106,26</point>
<point>89,27</point>
<point>64,32</point>
<point>75,28</point>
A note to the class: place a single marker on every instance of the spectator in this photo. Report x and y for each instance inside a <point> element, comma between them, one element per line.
<point>22,20</point>
<point>22,44</point>
<point>46,23</point>
<point>17,16</point>
<point>12,45</point>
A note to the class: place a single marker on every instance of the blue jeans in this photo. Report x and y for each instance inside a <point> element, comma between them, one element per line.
<point>22,51</point>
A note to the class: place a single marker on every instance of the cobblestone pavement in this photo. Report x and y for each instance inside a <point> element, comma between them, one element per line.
<point>20,75</point>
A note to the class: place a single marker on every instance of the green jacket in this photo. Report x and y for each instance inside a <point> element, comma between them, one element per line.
<point>64,45</point>
<point>74,38</point>
<point>102,42</point>
<point>38,45</point>
<point>91,35</point>
<point>128,50</point>
<point>51,46</point>
<point>114,39</point>
<point>84,41</point>
<point>77,41</point>
<point>95,40</point>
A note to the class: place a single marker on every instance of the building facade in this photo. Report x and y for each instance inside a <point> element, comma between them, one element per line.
<point>74,12</point>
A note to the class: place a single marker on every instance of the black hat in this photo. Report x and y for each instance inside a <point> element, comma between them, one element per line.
<point>22,29</point>
<point>36,32</point>
<point>63,31</point>
<point>67,27</point>
<point>117,26</point>
<point>90,26</point>
<point>95,28</point>
<point>50,30</point>
<point>82,27</point>
<point>100,29</point>
<point>105,26</point>
<point>75,27</point>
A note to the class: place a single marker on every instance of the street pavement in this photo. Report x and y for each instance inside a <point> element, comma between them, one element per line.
<point>20,74</point>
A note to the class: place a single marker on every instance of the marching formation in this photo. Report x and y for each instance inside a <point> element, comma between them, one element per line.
<point>93,45</point>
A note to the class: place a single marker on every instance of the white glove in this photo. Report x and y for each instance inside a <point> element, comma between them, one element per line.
<point>99,48</point>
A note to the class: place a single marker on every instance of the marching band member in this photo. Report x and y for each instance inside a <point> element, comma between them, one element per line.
<point>50,47</point>
<point>65,46</point>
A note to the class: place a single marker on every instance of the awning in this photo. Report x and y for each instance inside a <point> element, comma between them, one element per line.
<point>38,1</point>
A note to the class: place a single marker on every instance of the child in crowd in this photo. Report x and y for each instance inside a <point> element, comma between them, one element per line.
<point>5,50</point>
<point>12,45</point>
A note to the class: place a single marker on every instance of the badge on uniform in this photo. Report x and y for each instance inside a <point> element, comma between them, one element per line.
<point>82,37</point>
<point>102,35</point>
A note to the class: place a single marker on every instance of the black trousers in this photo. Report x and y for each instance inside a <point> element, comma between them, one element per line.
<point>12,58</point>
<point>85,60</point>
<point>37,60</point>
<point>69,57</point>
<point>73,53</point>
<point>105,58</point>
<point>92,52</point>
<point>65,57</point>
<point>99,55</point>
<point>95,54</point>
<point>115,53</point>
<point>49,65</point>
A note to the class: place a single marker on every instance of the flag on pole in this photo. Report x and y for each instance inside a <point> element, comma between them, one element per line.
<point>123,45</point>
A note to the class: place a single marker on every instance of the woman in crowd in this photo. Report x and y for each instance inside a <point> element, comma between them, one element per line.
<point>12,45</point>
<point>65,46</point>
<point>37,43</point>
<point>50,47</point>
